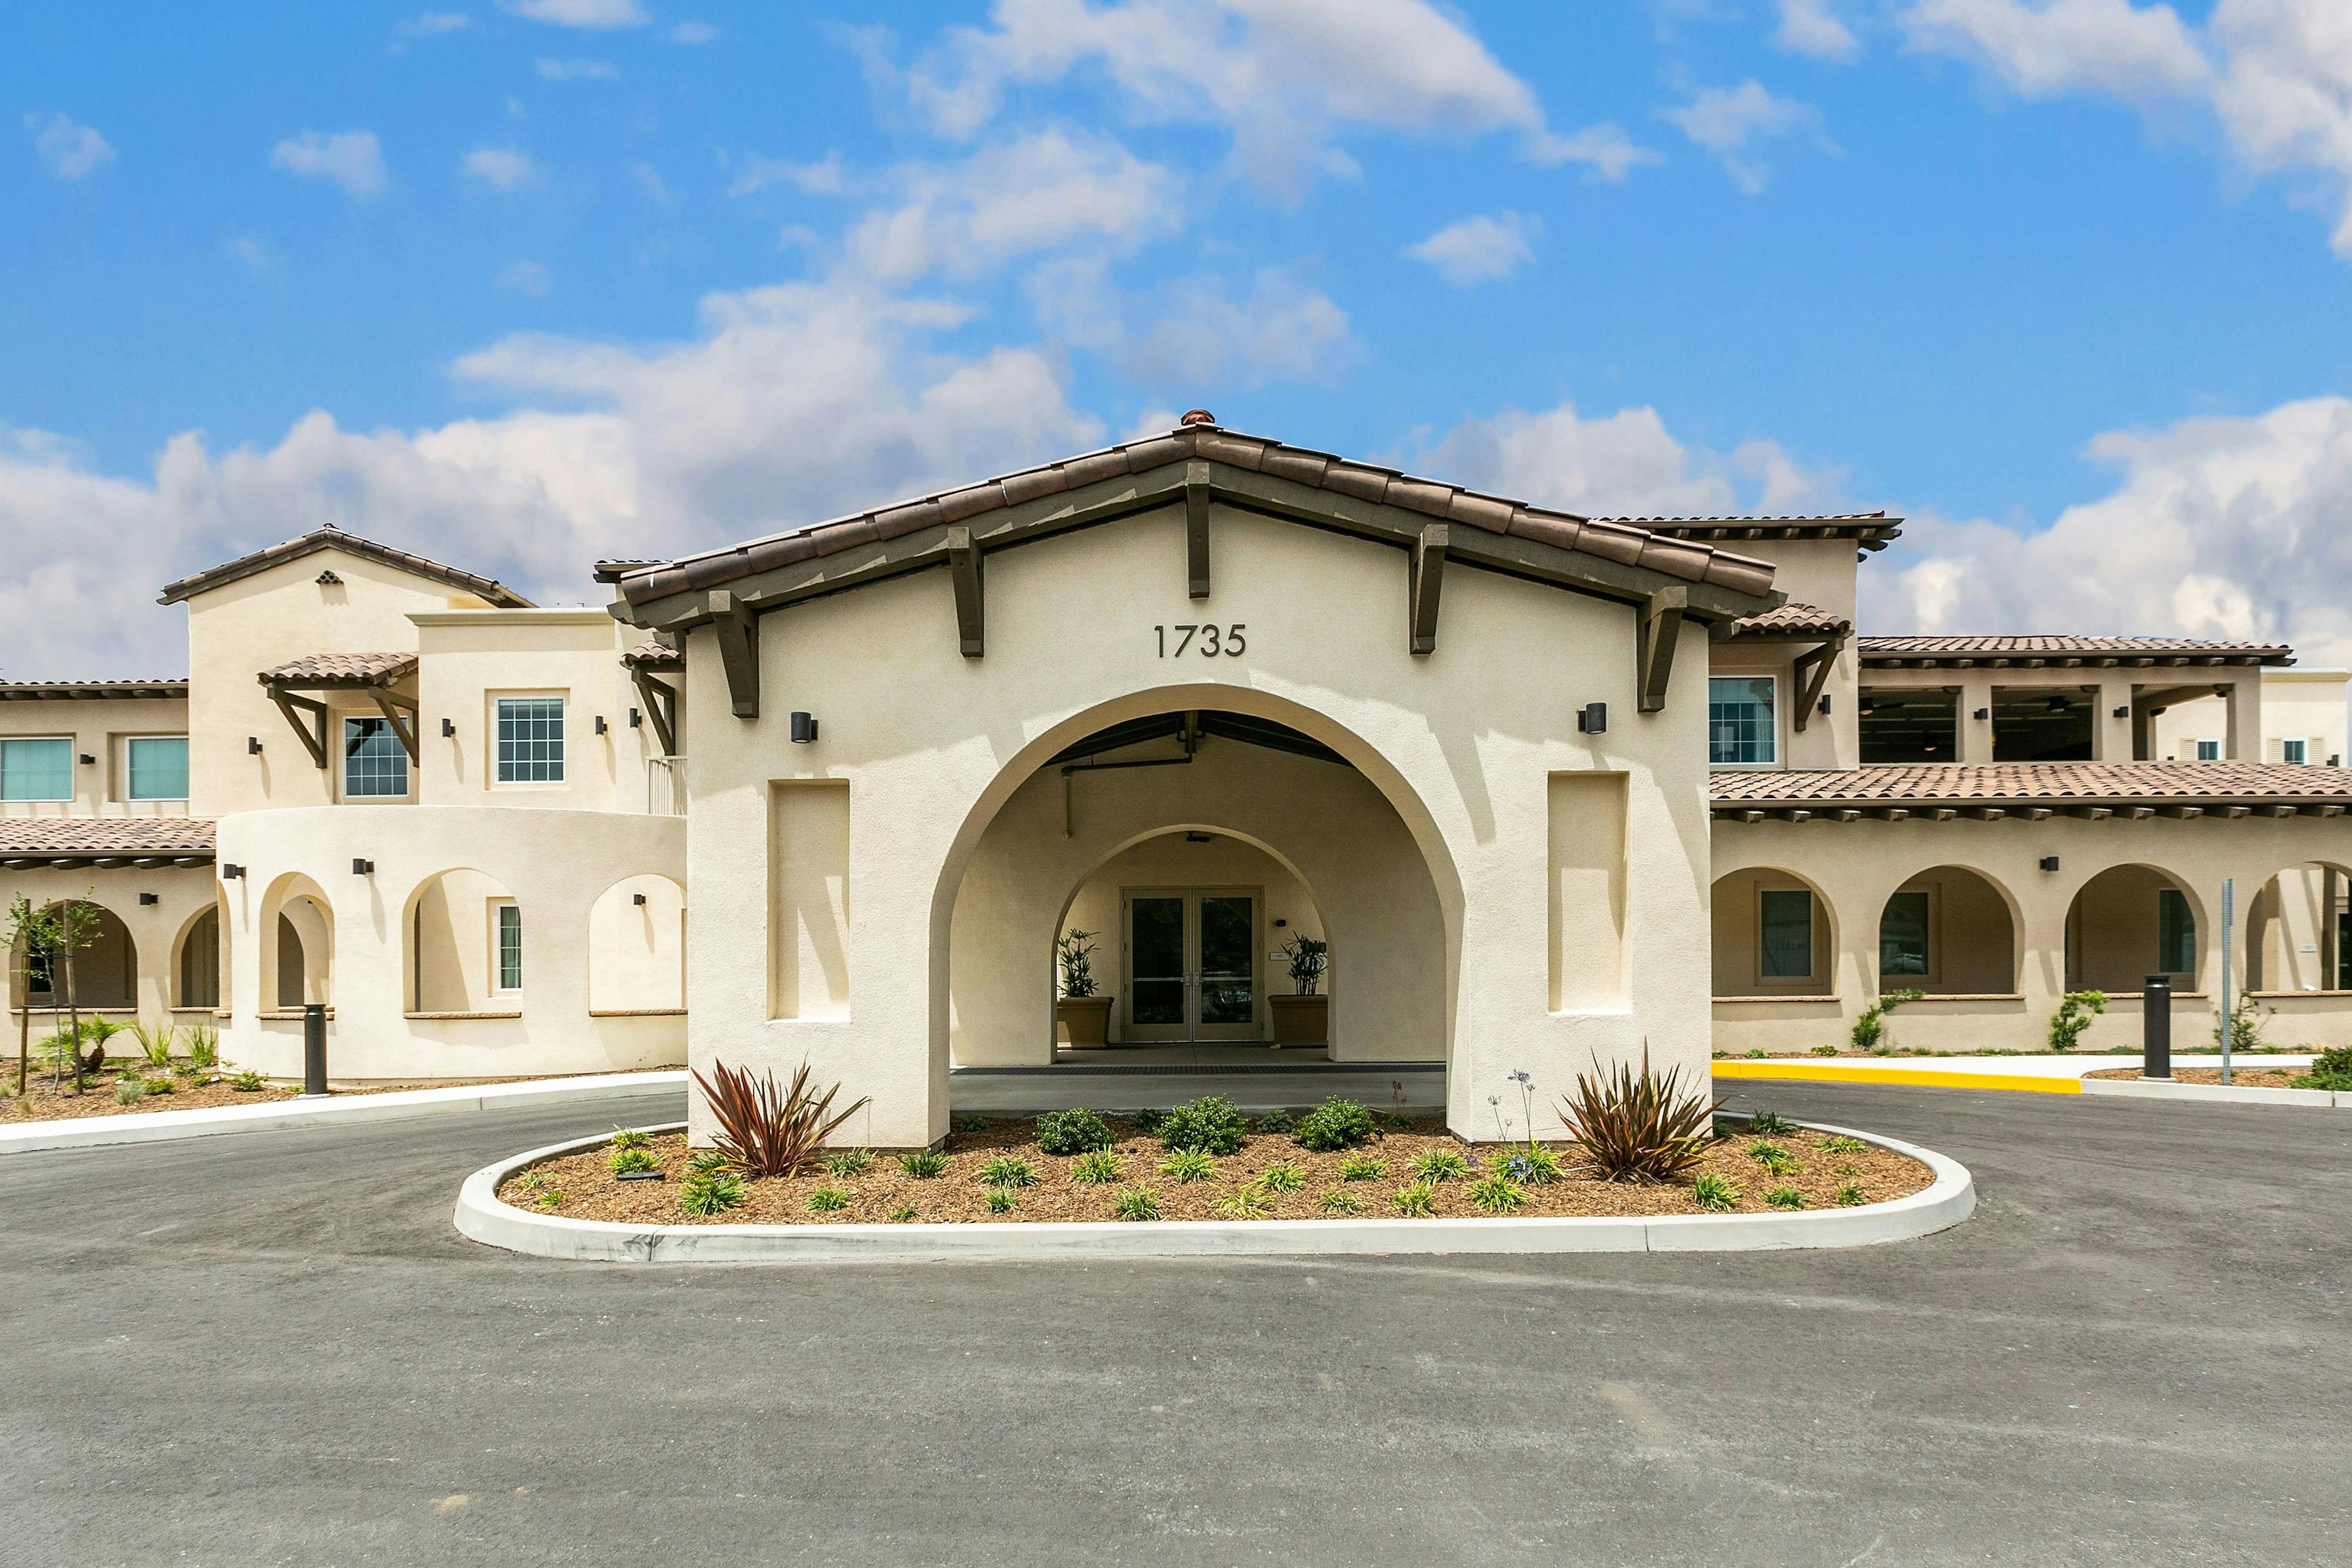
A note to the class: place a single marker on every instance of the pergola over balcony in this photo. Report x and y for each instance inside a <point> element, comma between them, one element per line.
<point>294,687</point>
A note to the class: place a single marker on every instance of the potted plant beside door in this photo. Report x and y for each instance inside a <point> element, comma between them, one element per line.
<point>1082,1015</point>
<point>1303,1018</point>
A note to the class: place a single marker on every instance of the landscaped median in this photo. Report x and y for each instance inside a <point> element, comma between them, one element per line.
<point>1119,1189</point>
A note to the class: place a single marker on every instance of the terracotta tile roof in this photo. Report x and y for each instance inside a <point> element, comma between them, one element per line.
<point>2103,784</point>
<point>343,669</point>
<point>93,837</point>
<point>1890,650</point>
<point>654,655</point>
<point>1792,620</point>
<point>310,543</point>
<point>76,690</point>
<point>1617,542</point>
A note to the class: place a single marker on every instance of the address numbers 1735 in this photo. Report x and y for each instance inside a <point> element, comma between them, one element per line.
<point>1207,641</point>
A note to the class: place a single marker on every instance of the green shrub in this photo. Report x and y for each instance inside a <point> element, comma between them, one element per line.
<point>1534,1165</point>
<point>1276,1121</point>
<point>827,1199</point>
<point>1000,1200</point>
<point>1008,1170</point>
<point>1397,1121</point>
<point>161,1086</point>
<point>247,1083</point>
<point>1716,1194</point>
<point>1771,1124</point>
<point>1842,1144</point>
<point>129,1090</point>
<point>1417,1201</point>
<point>1097,1167</point>
<point>630,1138</point>
<point>1136,1203</point>
<point>1850,1194</point>
<point>1639,1126</point>
<point>1073,1131</point>
<point>2076,1011</point>
<point>1495,1193</point>
<point>1773,1157</point>
<point>154,1044</point>
<point>1870,1031</point>
<point>1282,1178</point>
<point>1364,1168</point>
<point>1785,1198</point>
<point>204,1048</point>
<point>1188,1166</point>
<point>1148,1120</point>
<point>1211,1124</point>
<point>2330,1070</point>
<point>1825,1051</point>
<point>902,1214</point>
<point>1338,1200</point>
<point>709,1163</point>
<point>2246,1021</point>
<point>923,1164</point>
<point>971,1123</point>
<point>1334,1125</point>
<point>1248,1201</point>
<point>708,1194</point>
<point>848,1163</point>
<point>1757,1053</point>
<point>628,1161</point>
<point>1440,1165</point>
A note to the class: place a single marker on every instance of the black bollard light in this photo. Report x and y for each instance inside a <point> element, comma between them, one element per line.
<point>314,1048</point>
<point>2156,1027</point>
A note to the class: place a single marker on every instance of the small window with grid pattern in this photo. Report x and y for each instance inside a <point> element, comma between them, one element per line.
<point>375,765</point>
<point>530,739</point>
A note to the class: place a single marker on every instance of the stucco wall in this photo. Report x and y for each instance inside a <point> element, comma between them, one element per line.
<point>932,745</point>
<point>98,730</point>
<point>155,929</point>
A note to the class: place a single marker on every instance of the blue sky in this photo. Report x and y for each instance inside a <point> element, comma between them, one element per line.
<point>520,284</point>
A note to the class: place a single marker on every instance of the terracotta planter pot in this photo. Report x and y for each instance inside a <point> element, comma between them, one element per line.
<point>1301,1020</point>
<point>1085,1021</point>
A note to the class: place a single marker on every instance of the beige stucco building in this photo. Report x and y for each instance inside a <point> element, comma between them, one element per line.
<point>1200,696</point>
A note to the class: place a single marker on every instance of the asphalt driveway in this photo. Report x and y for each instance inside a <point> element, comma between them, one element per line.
<point>274,1348</point>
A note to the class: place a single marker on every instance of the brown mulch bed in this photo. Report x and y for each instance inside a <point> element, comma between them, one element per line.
<point>45,1101</point>
<point>580,1186</point>
<point>2241,1078</point>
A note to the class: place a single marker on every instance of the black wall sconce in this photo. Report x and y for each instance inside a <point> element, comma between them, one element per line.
<point>804,729</point>
<point>1825,702</point>
<point>1592,718</point>
<point>149,900</point>
<point>637,899</point>
<point>601,726</point>
<point>1984,712</point>
<point>2124,711</point>
<point>362,867</point>
<point>231,873</point>
<point>87,761</point>
<point>2049,862</point>
<point>253,745</point>
<point>637,719</point>
<point>448,729</point>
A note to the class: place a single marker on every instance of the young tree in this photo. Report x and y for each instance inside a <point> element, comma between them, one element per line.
<point>33,936</point>
<point>77,926</point>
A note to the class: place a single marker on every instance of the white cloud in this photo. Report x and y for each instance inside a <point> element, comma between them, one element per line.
<point>577,70</point>
<point>527,277</point>
<point>2218,526</point>
<point>649,180</point>
<point>428,25</point>
<point>2285,88</point>
<point>70,150</point>
<point>1625,464</point>
<point>597,15</point>
<point>1479,249</point>
<point>252,252</point>
<point>755,174</point>
<point>1605,149</point>
<point>693,33</point>
<point>1814,27</point>
<point>2042,50</point>
<point>1040,192</point>
<point>352,159</point>
<point>500,168</point>
<point>1725,120</point>
<point>794,403</point>
<point>1284,78</point>
<point>1203,337</point>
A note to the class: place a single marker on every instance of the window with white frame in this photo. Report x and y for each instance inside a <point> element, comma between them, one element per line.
<point>2209,751</point>
<point>375,765</point>
<point>530,739</point>
<point>1740,724</point>
<point>155,767</point>
<point>37,769</point>
<point>507,927</point>
<point>2294,751</point>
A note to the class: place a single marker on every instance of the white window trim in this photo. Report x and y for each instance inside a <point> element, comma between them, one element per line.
<point>341,716</point>
<point>497,908</point>
<point>490,737</point>
<point>1813,948</point>
<point>124,754</point>
<point>1780,751</point>
<point>73,771</point>
<point>2303,742</point>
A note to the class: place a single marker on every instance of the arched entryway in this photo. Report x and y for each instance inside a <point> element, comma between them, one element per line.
<point>1948,932</point>
<point>100,976</point>
<point>199,968</point>
<point>2130,922</point>
<point>2299,930</point>
<point>636,947</point>
<point>464,934</point>
<point>298,945</point>
<point>1774,934</point>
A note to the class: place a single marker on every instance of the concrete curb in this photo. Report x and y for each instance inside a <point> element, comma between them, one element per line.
<point>483,1217</point>
<point>163,1126</point>
<point>2140,1089</point>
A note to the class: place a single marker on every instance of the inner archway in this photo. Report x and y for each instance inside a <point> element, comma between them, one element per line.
<point>2130,922</point>
<point>104,971</point>
<point>465,945</point>
<point>2299,930</point>
<point>1947,932</point>
<point>298,944</point>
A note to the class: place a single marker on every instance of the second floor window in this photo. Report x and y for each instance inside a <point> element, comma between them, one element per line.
<point>36,770</point>
<point>375,765</point>
<point>2209,751</point>
<point>530,739</point>
<point>2291,750</point>
<point>1740,723</point>
<point>157,766</point>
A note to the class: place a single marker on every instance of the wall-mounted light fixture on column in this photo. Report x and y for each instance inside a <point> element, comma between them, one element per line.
<point>362,867</point>
<point>2124,711</point>
<point>601,726</point>
<point>149,900</point>
<point>231,873</point>
<point>2049,862</point>
<point>804,729</point>
<point>448,729</point>
<point>1825,702</point>
<point>637,719</point>
<point>253,745</point>
<point>1592,718</point>
<point>637,899</point>
<point>1984,712</point>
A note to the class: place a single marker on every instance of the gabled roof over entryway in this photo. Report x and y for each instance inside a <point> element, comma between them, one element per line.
<point>1435,524</point>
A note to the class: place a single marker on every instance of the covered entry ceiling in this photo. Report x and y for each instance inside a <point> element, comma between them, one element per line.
<point>1227,726</point>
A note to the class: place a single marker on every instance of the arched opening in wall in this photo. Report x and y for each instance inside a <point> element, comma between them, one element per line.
<point>100,976</point>
<point>196,964</point>
<point>1948,932</point>
<point>1178,827</point>
<point>2299,930</point>
<point>636,947</point>
<point>463,940</point>
<point>2130,922</point>
<point>298,944</point>
<point>1773,935</point>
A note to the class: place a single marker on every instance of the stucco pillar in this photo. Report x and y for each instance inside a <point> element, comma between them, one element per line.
<point>1976,734</point>
<point>2111,735</point>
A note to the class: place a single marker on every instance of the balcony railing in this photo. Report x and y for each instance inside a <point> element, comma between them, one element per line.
<point>665,786</point>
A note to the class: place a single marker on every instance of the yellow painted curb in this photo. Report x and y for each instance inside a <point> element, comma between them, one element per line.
<point>1925,1078</point>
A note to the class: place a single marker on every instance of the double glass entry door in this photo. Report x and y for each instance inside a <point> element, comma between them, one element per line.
<point>1191,965</point>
